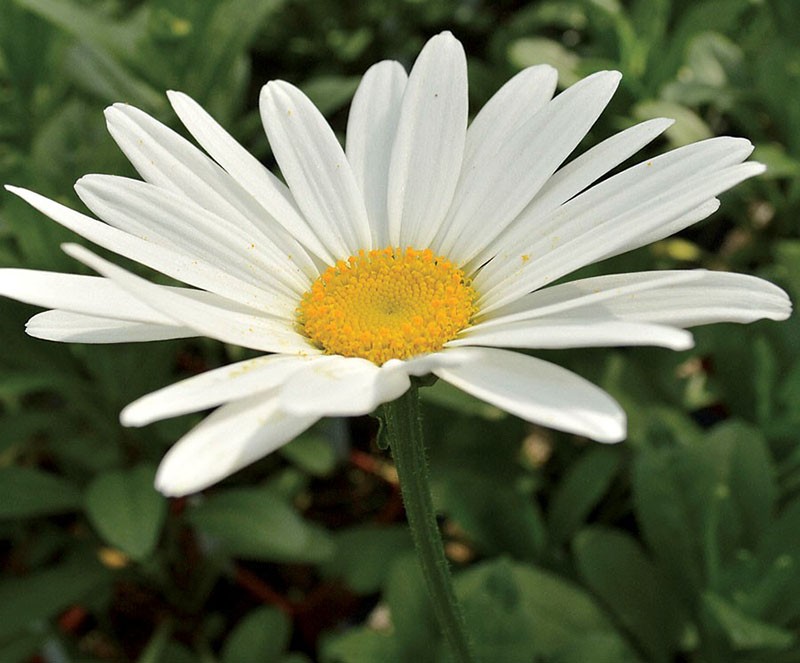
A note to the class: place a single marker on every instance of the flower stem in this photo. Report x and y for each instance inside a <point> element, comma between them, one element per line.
<point>404,433</point>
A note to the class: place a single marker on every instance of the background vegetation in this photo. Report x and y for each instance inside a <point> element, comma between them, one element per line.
<point>681,544</point>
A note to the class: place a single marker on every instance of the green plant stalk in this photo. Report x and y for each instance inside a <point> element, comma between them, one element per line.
<point>403,430</point>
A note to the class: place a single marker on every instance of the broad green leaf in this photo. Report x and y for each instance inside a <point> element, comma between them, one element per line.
<point>260,637</point>
<point>743,631</point>
<point>311,452</point>
<point>700,503</point>
<point>583,485</point>
<point>689,127</point>
<point>597,648</point>
<point>444,394</point>
<point>415,629</point>
<point>363,555</point>
<point>360,645</point>
<point>255,523</point>
<point>498,518</point>
<point>127,510</point>
<point>26,492</point>
<point>526,610</point>
<point>614,566</point>
<point>26,600</point>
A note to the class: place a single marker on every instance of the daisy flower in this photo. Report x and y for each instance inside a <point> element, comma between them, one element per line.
<point>426,246</point>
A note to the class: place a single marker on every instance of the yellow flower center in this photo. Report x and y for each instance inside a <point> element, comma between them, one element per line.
<point>387,304</point>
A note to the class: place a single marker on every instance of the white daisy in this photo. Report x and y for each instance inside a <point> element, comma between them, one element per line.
<point>424,247</point>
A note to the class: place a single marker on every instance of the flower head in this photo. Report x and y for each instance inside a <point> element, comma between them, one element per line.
<point>426,246</point>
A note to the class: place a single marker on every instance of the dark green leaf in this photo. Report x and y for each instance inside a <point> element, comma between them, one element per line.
<point>26,492</point>
<point>617,570</point>
<point>127,510</point>
<point>583,485</point>
<point>743,631</point>
<point>260,637</point>
<point>255,523</point>
<point>363,555</point>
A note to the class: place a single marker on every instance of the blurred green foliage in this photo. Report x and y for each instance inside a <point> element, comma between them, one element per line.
<point>682,544</point>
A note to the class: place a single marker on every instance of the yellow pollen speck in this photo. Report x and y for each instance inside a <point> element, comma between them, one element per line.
<point>525,257</point>
<point>386,304</point>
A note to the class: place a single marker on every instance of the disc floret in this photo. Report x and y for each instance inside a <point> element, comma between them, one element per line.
<point>391,303</point>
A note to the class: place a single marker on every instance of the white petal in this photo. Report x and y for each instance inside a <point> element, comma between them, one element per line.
<point>371,129</point>
<point>342,386</point>
<point>575,239</point>
<point>169,219</point>
<point>580,173</point>
<point>169,161</point>
<point>537,391</point>
<point>714,297</point>
<point>315,168</point>
<point>212,388</point>
<point>89,295</point>
<point>567,298</point>
<point>508,171</point>
<point>691,217</point>
<point>429,146</point>
<point>263,186</point>
<point>638,187</point>
<point>591,331</point>
<point>510,107</point>
<point>230,325</point>
<point>69,327</point>
<point>230,438</point>
<point>166,260</point>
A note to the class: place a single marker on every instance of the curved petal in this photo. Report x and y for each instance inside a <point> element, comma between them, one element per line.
<point>604,231</point>
<point>212,388</point>
<point>580,173</point>
<point>169,219</point>
<point>566,298</point>
<point>89,295</point>
<point>714,297</point>
<point>167,160</point>
<point>509,170</point>
<point>266,189</point>
<point>69,327</point>
<point>230,438</point>
<point>429,146</point>
<point>230,325</point>
<point>519,99</point>
<point>371,129</point>
<point>315,168</point>
<point>640,189</point>
<point>342,386</point>
<point>168,261</point>
<point>591,331</point>
<point>536,391</point>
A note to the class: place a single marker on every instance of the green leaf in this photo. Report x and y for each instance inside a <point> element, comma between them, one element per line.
<point>330,93</point>
<point>260,637</point>
<point>583,485</point>
<point>614,566</point>
<point>363,555</point>
<point>126,510</point>
<point>255,523</point>
<point>743,631</point>
<point>689,127</point>
<point>311,452</point>
<point>700,503</point>
<point>536,50</point>
<point>26,493</point>
<point>359,645</point>
<point>499,518</point>
<point>526,610</point>
<point>597,648</point>
<point>27,600</point>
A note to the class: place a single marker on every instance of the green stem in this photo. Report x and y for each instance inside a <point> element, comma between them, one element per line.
<point>404,434</point>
